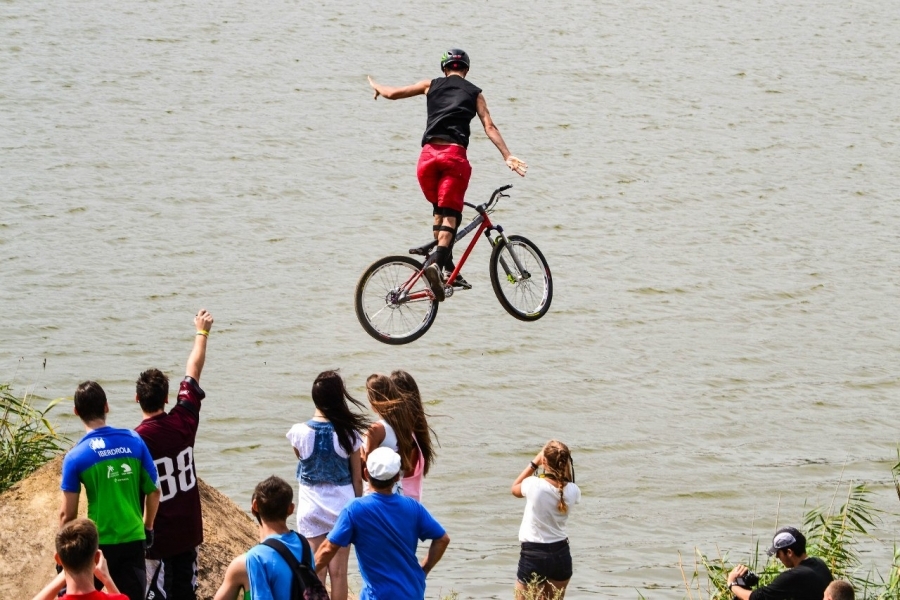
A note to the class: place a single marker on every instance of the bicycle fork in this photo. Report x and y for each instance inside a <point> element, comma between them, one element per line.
<point>510,275</point>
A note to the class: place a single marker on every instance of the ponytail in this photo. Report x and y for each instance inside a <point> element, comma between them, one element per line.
<point>558,465</point>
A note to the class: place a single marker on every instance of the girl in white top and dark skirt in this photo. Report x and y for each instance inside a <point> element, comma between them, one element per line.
<point>329,471</point>
<point>545,558</point>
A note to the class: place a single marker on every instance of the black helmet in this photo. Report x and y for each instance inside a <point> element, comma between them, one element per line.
<point>455,59</point>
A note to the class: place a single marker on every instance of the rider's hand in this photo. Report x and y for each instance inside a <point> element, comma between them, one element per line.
<point>514,164</point>
<point>203,320</point>
<point>374,87</point>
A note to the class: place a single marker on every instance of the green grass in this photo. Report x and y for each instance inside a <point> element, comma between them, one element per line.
<point>27,438</point>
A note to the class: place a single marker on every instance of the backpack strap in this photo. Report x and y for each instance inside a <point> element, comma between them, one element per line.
<point>288,556</point>
<point>307,552</point>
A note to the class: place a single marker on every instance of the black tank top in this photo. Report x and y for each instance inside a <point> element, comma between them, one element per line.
<point>451,107</point>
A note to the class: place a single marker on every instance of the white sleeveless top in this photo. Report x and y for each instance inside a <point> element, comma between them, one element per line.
<point>390,438</point>
<point>389,441</point>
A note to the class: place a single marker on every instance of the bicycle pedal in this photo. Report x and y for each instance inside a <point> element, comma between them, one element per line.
<point>459,283</point>
<point>424,249</point>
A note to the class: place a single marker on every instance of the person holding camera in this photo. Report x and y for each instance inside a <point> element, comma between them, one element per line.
<point>806,577</point>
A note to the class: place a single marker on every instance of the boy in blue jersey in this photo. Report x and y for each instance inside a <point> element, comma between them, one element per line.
<point>262,571</point>
<point>385,529</point>
<point>116,469</point>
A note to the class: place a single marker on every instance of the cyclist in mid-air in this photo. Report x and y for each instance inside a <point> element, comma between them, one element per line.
<point>443,170</point>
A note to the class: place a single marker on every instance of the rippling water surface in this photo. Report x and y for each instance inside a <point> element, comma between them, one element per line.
<point>714,185</point>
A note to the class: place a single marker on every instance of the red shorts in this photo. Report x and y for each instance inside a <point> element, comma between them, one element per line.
<point>444,173</point>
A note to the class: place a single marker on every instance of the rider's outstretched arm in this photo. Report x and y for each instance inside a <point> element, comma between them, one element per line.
<point>395,93</point>
<point>494,134</point>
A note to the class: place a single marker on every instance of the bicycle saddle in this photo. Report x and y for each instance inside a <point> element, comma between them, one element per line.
<point>424,249</point>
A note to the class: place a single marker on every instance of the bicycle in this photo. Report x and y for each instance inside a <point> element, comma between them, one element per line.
<point>395,304</point>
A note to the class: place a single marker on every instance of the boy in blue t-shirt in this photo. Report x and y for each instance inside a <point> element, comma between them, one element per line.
<point>385,529</point>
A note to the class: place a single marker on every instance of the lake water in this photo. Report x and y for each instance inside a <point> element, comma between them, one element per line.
<point>714,185</point>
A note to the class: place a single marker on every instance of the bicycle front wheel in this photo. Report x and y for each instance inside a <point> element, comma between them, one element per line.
<point>525,293</point>
<point>387,308</point>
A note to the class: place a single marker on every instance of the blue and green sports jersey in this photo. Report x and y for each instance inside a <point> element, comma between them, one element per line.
<point>115,467</point>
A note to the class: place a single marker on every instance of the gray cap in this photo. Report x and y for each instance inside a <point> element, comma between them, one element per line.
<point>784,537</point>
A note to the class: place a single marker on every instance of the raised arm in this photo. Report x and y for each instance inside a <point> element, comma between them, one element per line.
<point>526,472</point>
<point>395,93</point>
<point>494,134</point>
<point>101,572</point>
<point>203,322</point>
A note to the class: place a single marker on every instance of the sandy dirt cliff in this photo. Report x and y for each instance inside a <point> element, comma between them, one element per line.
<point>29,518</point>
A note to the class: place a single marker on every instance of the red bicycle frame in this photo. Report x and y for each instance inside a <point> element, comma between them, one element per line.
<point>427,293</point>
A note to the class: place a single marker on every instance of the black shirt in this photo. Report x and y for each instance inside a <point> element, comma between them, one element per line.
<point>451,106</point>
<point>806,581</point>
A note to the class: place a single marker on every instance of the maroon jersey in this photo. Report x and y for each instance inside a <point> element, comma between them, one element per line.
<point>170,438</point>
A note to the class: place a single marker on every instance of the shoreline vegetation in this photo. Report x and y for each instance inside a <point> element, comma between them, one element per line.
<point>833,534</point>
<point>27,438</point>
<point>31,452</point>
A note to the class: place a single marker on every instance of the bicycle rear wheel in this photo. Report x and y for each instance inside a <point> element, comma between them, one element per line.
<point>386,310</point>
<point>525,294</point>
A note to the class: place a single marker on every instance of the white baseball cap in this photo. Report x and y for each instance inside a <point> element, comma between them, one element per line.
<point>383,464</point>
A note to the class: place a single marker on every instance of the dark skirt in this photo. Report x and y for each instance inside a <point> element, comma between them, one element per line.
<point>546,561</point>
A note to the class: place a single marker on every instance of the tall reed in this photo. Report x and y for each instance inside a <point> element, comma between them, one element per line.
<point>27,438</point>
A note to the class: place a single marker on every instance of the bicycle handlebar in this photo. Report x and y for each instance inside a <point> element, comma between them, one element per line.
<point>498,193</point>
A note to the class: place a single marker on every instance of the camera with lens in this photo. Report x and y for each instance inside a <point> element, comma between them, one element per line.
<point>747,580</point>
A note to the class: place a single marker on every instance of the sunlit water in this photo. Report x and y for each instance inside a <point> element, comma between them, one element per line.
<point>713,184</point>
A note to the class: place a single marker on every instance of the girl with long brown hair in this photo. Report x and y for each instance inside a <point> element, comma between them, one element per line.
<point>409,393</point>
<point>396,426</point>
<point>545,557</point>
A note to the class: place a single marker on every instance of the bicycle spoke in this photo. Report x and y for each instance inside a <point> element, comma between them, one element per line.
<point>524,293</point>
<point>388,309</point>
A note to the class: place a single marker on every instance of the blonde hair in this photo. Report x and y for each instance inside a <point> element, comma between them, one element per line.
<point>558,466</point>
<point>388,403</point>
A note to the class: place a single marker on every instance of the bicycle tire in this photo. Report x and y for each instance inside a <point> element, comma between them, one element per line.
<point>387,320</point>
<point>525,298</point>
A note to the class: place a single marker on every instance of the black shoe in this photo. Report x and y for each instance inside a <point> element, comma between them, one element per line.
<point>435,281</point>
<point>460,282</point>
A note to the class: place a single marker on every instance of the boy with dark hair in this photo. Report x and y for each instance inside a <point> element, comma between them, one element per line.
<point>262,571</point>
<point>77,552</point>
<point>172,560</point>
<point>443,170</point>
<point>116,469</point>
